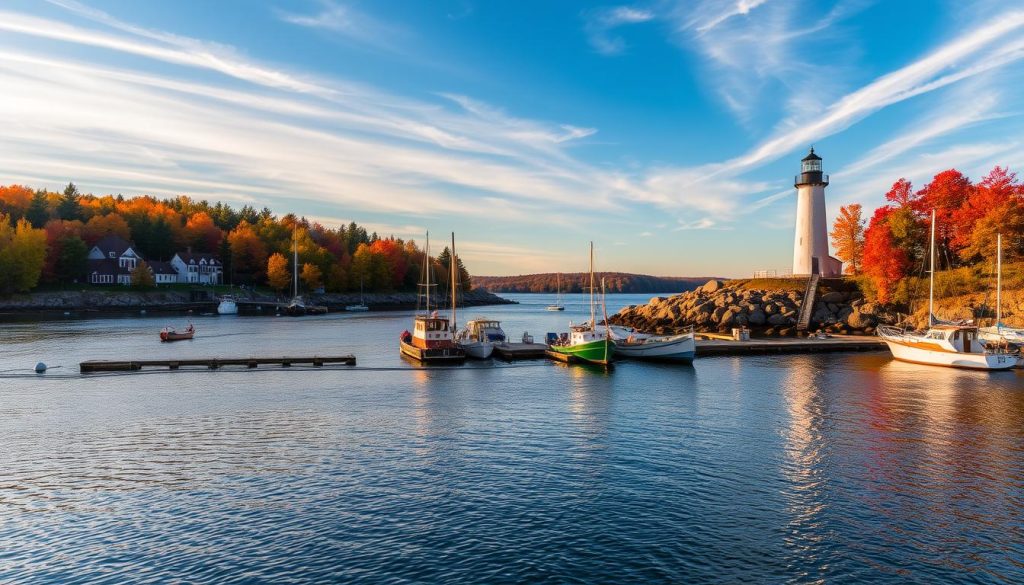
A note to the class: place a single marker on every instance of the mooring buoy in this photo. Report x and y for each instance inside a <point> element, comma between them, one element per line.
<point>40,368</point>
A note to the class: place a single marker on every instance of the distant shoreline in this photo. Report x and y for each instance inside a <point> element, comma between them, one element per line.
<point>126,302</point>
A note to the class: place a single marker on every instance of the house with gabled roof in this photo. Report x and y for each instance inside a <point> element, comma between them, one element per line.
<point>198,268</point>
<point>111,261</point>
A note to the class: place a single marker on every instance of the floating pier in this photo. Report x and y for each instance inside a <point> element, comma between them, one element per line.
<point>213,363</point>
<point>520,351</point>
<point>837,343</point>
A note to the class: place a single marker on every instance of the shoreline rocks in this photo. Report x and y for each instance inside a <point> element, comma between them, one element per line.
<point>721,306</point>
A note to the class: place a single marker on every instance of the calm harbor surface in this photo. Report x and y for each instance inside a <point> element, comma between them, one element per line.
<point>780,468</point>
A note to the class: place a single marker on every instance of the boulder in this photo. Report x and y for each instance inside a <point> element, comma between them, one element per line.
<point>727,318</point>
<point>757,317</point>
<point>832,297</point>
<point>777,319</point>
<point>858,320</point>
<point>711,286</point>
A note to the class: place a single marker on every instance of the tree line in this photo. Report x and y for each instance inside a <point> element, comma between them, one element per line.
<point>45,238</point>
<point>894,243</point>
<point>571,283</point>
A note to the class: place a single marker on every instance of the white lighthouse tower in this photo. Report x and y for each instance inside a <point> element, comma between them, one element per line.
<point>810,246</point>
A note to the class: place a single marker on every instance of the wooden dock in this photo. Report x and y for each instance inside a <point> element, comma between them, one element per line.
<point>837,343</point>
<point>213,363</point>
<point>520,351</point>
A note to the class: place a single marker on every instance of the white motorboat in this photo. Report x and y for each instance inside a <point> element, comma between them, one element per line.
<point>227,306</point>
<point>631,343</point>
<point>557,305</point>
<point>479,337</point>
<point>945,344</point>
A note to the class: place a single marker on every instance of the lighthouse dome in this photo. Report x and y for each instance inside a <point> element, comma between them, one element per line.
<point>811,163</point>
<point>812,156</point>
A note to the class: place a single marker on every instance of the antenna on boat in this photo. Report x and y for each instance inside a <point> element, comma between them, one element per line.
<point>426,268</point>
<point>931,277</point>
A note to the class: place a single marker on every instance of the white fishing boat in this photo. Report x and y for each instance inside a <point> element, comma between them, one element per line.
<point>950,345</point>
<point>557,305</point>
<point>361,306</point>
<point>999,333</point>
<point>479,337</point>
<point>630,343</point>
<point>227,306</point>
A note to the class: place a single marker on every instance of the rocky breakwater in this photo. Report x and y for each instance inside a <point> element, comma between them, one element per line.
<point>768,308</point>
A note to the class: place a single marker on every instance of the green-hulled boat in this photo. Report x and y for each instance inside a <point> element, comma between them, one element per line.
<point>585,343</point>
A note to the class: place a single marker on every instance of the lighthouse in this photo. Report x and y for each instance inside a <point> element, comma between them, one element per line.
<point>810,245</point>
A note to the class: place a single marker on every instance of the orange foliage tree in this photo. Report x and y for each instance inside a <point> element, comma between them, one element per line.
<point>848,237</point>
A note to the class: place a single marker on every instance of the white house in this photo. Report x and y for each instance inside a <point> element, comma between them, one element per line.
<point>198,268</point>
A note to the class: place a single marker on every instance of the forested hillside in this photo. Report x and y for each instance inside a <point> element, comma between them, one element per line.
<point>616,282</point>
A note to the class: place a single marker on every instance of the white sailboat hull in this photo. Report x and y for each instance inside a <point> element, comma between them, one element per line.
<point>676,348</point>
<point>480,350</point>
<point>227,308</point>
<point>949,359</point>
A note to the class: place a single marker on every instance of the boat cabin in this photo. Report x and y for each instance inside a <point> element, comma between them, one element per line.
<point>484,330</point>
<point>430,332</point>
<point>955,337</point>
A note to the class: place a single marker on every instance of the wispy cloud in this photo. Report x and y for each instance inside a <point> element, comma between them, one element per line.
<point>601,25</point>
<point>347,21</point>
<point>714,15</point>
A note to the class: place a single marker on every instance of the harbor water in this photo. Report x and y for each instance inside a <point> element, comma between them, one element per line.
<point>838,468</point>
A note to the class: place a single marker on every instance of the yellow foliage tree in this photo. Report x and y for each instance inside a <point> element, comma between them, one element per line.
<point>277,272</point>
<point>142,276</point>
<point>22,254</point>
<point>311,275</point>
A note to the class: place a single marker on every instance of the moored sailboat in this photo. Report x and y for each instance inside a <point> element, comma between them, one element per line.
<point>557,305</point>
<point>297,306</point>
<point>950,345</point>
<point>361,306</point>
<point>584,342</point>
<point>999,333</point>
<point>431,338</point>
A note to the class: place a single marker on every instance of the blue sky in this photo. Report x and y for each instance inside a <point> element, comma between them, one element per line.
<point>667,132</point>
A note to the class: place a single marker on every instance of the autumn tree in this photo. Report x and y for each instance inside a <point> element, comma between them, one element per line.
<point>848,237</point>
<point>248,253</point>
<point>998,190</point>
<point>1008,220</point>
<point>100,226</point>
<point>15,200</point>
<point>884,263</point>
<point>278,276</point>
<point>945,194</point>
<point>22,253</point>
<point>311,276</point>
<point>142,276</point>
<point>201,233</point>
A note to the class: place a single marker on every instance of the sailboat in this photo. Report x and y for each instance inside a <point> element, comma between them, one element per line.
<point>944,344</point>
<point>297,306</point>
<point>584,342</point>
<point>999,333</point>
<point>557,306</point>
<point>432,336</point>
<point>361,306</point>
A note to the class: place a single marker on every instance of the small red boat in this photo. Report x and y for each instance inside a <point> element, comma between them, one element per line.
<point>169,334</point>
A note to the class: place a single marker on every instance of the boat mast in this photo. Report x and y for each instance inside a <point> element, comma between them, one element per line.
<point>426,269</point>
<point>295,261</point>
<point>593,321</point>
<point>604,311</point>
<point>931,278</point>
<point>454,270</point>
<point>999,281</point>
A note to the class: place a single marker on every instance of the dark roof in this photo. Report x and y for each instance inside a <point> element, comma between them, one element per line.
<point>107,266</point>
<point>812,156</point>
<point>159,267</point>
<point>113,243</point>
<point>190,257</point>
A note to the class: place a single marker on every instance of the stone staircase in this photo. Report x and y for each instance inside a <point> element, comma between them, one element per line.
<point>807,306</point>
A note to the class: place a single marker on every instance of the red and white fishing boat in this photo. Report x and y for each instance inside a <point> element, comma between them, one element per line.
<point>169,333</point>
<point>433,336</point>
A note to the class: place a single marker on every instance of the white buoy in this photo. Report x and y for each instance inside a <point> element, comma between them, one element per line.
<point>40,368</point>
<point>67,313</point>
<point>142,312</point>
